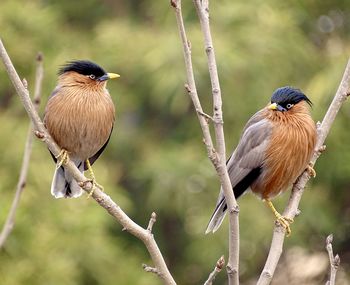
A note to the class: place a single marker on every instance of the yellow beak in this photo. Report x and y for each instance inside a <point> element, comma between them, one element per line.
<point>113,75</point>
<point>273,106</point>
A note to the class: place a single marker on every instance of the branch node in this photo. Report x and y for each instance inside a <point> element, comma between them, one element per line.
<point>25,83</point>
<point>150,269</point>
<point>173,3</point>
<point>187,88</point>
<point>205,115</point>
<point>87,184</point>
<point>234,210</point>
<point>39,56</point>
<point>329,239</point>
<point>220,263</point>
<point>151,222</point>
<point>39,135</point>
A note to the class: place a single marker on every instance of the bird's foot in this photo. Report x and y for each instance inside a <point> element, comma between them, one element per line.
<point>62,158</point>
<point>283,221</point>
<point>94,186</point>
<point>93,180</point>
<point>310,170</point>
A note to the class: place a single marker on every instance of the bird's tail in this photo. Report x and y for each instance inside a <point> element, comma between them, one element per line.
<point>217,217</point>
<point>63,185</point>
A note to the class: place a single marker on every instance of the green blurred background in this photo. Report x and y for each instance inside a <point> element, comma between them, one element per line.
<point>156,160</point>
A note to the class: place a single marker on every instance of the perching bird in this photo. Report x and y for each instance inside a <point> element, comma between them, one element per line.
<point>79,116</point>
<point>274,149</point>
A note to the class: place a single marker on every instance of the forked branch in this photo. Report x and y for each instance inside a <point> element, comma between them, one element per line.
<point>217,156</point>
<point>100,197</point>
<point>334,261</point>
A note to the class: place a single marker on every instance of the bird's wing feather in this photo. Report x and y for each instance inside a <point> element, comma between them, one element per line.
<point>250,151</point>
<point>244,164</point>
<point>97,154</point>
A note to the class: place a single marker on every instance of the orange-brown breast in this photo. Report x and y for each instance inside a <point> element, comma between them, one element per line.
<point>80,119</point>
<point>292,144</point>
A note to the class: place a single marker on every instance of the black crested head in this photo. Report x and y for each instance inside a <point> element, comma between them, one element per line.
<point>83,67</point>
<point>289,95</point>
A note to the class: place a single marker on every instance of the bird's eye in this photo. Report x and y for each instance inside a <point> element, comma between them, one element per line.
<point>91,76</point>
<point>289,106</point>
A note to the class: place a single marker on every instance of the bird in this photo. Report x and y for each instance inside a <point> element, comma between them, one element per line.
<point>275,147</point>
<point>79,116</point>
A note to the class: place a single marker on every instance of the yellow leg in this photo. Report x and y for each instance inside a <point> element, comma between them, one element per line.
<point>93,179</point>
<point>311,170</point>
<point>62,158</point>
<point>284,221</point>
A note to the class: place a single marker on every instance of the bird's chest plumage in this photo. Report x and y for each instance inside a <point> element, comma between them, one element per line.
<point>291,146</point>
<point>80,121</point>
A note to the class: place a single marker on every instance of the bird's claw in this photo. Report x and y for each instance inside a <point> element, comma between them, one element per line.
<point>94,186</point>
<point>62,158</point>
<point>311,171</point>
<point>285,222</point>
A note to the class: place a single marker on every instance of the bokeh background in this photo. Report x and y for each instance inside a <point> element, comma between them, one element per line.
<point>156,160</point>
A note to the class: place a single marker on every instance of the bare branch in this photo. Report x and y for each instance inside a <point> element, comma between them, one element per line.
<point>218,267</point>
<point>202,8</point>
<point>152,220</point>
<point>10,220</point>
<point>333,260</point>
<point>100,197</point>
<point>299,187</point>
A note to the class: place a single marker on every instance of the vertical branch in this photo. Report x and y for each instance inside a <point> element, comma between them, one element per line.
<point>217,157</point>
<point>298,189</point>
<point>190,86</point>
<point>10,220</point>
<point>202,8</point>
<point>333,260</point>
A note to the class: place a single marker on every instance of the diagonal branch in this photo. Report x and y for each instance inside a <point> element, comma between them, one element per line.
<point>298,189</point>
<point>10,220</point>
<point>218,267</point>
<point>100,197</point>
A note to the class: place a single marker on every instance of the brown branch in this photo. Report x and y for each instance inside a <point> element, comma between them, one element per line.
<point>100,197</point>
<point>298,189</point>
<point>333,260</point>
<point>10,220</point>
<point>218,267</point>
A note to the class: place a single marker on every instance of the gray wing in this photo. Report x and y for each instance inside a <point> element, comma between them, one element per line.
<point>250,152</point>
<point>245,164</point>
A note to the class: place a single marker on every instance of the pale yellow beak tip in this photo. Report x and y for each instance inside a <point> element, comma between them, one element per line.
<point>273,106</point>
<point>113,75</point>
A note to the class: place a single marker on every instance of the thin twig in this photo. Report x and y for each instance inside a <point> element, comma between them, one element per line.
<point>10,220</point>
<point>333,260</point>
<point>232,267</point>
<point>100,197</point>
<point>218,267</point>
<point>299,187</point>
<point>151,222</point>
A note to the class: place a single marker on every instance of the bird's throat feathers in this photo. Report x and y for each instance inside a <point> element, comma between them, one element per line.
<point>296,115</point>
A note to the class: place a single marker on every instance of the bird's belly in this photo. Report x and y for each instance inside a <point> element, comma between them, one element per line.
<point>81,129</point>
<point>287,158</point>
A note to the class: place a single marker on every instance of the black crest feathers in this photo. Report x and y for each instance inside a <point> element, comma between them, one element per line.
<point>289,95</point>
<point>83,67</point>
